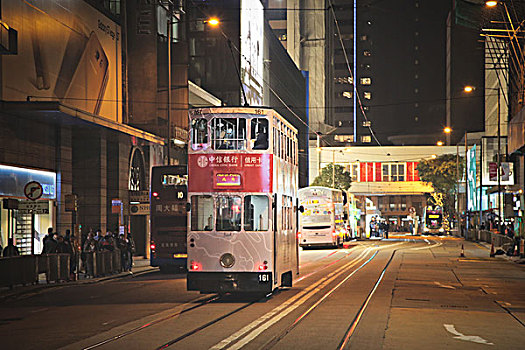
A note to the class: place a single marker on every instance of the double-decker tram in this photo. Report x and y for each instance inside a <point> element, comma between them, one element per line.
<point>433,220</point>
<point>323,221</point>
<point>168,215</point>
<point>243,178</point>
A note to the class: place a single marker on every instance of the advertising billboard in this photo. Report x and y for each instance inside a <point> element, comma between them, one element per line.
<point>68,52</point>
<point>471,179</point>
<point>252,51</point>
<point>490,165</point>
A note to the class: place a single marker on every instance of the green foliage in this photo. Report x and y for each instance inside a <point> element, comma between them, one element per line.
<point>343,179</point>
<point>441,173</point>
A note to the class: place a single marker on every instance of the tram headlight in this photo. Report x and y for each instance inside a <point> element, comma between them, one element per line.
<point>227,260</point>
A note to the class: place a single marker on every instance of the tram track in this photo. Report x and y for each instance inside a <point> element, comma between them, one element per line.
<point>215,298</point>
<point>353,325</point>
<point>218,319</point>
<point>199,304</point>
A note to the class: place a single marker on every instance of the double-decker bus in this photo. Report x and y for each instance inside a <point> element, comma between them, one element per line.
<point>168,215</point>
<point>243,179</point>
<point>433,220</point>
<point>322,223</point>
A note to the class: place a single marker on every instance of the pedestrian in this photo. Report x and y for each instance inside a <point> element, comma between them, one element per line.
<point>47,241</point>
<point>11,249</point>
<point>122,244</point>
<point>61,246</point>
<point>89,249</point>
<point>98,235</point>
<point>131,250</point>
<point>107,243</point>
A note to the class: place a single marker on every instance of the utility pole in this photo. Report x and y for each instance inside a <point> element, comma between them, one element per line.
<point>169,34</point>
<point>500,204</point>
<point>333,168</point>
<point>466,185</point>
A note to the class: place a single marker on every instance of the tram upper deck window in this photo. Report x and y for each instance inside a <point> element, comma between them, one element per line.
<point>228,213</point>
<point>199,134</point>
<point>201,213</point>
<point>229,133</point>
<point>259,133</point>
<point>256,213</point>
<point>174,180</point>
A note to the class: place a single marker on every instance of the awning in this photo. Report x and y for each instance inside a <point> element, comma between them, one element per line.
<point>55,112</point>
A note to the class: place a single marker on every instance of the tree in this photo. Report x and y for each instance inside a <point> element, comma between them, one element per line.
<point>343,179</point>
<point>441,172</point>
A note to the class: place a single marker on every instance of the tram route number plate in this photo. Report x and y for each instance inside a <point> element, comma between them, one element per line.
<point>264,277</point>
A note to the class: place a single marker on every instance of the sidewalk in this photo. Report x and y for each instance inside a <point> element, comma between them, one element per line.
<point>140,266</point>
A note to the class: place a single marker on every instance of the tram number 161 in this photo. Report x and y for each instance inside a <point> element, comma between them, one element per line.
<point>264,277</point>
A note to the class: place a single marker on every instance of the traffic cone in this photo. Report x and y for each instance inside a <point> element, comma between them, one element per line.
<point>492,254</point>
<point>462,255</point>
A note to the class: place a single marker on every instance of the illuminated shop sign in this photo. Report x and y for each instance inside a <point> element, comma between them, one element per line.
<point>14,179</point>
<point>227,180</point>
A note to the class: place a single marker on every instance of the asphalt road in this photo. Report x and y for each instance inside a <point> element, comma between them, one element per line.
<point>374,295</point>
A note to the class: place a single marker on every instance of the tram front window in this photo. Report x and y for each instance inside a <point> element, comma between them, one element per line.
<point>199,134</point>
<point>259,133</point>
<point>256,213</point>
<point>228,213</point>
<point>201,213</point>
<point>229,133</point>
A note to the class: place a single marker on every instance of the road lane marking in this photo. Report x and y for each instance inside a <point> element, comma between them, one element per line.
<point>288,306</point>
<point>472,338</point>
<point>443,285</point>
<point>428,247</point>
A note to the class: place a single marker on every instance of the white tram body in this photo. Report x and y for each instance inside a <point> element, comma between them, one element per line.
<point>242,190</point>
<point>322,221</point>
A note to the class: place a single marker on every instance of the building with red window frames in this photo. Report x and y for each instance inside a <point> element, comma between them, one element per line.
<point>384,179</point>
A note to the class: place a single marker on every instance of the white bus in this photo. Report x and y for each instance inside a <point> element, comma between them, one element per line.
<point>322,222</point>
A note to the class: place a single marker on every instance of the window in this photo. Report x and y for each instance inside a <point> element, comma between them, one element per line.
<point>286,213</point>
<point>393,172</point>
<point>343,80</point>
<point>366,81</point>
<point>366,139</point>
<point>367,95</point>
<point>391,203</point>
<point>346,94</point>
<point>366,108</point>
<point>228,213</point>
<point>259,133</point>
<point>199,134</point>
<point>229,133</point>
<point>403,202</point>
<point>256,209</point>
<point>353,169</point>
<point>367,124</point>
<point>367,53</point>
<point>174,180</point>
<point>201,213</point>
<point>363,37</point>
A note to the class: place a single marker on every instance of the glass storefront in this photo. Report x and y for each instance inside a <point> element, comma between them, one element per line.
<point>16,223</point>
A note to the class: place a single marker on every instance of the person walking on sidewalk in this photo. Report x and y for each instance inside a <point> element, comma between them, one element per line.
<point>124,256</point>
<point>131,250</point>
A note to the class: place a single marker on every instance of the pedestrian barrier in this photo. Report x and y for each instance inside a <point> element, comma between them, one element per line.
<point>498,240</point>
<point>103,263</point>
<point>18,270</point>
<point>25,269</point>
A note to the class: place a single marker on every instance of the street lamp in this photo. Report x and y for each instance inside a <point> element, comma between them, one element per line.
<point>491,3</point>
<point>213,21</point>
<point>439,143</point>
<point>500,203</point>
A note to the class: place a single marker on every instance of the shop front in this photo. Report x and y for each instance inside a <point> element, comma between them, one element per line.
<point>28,199</point>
